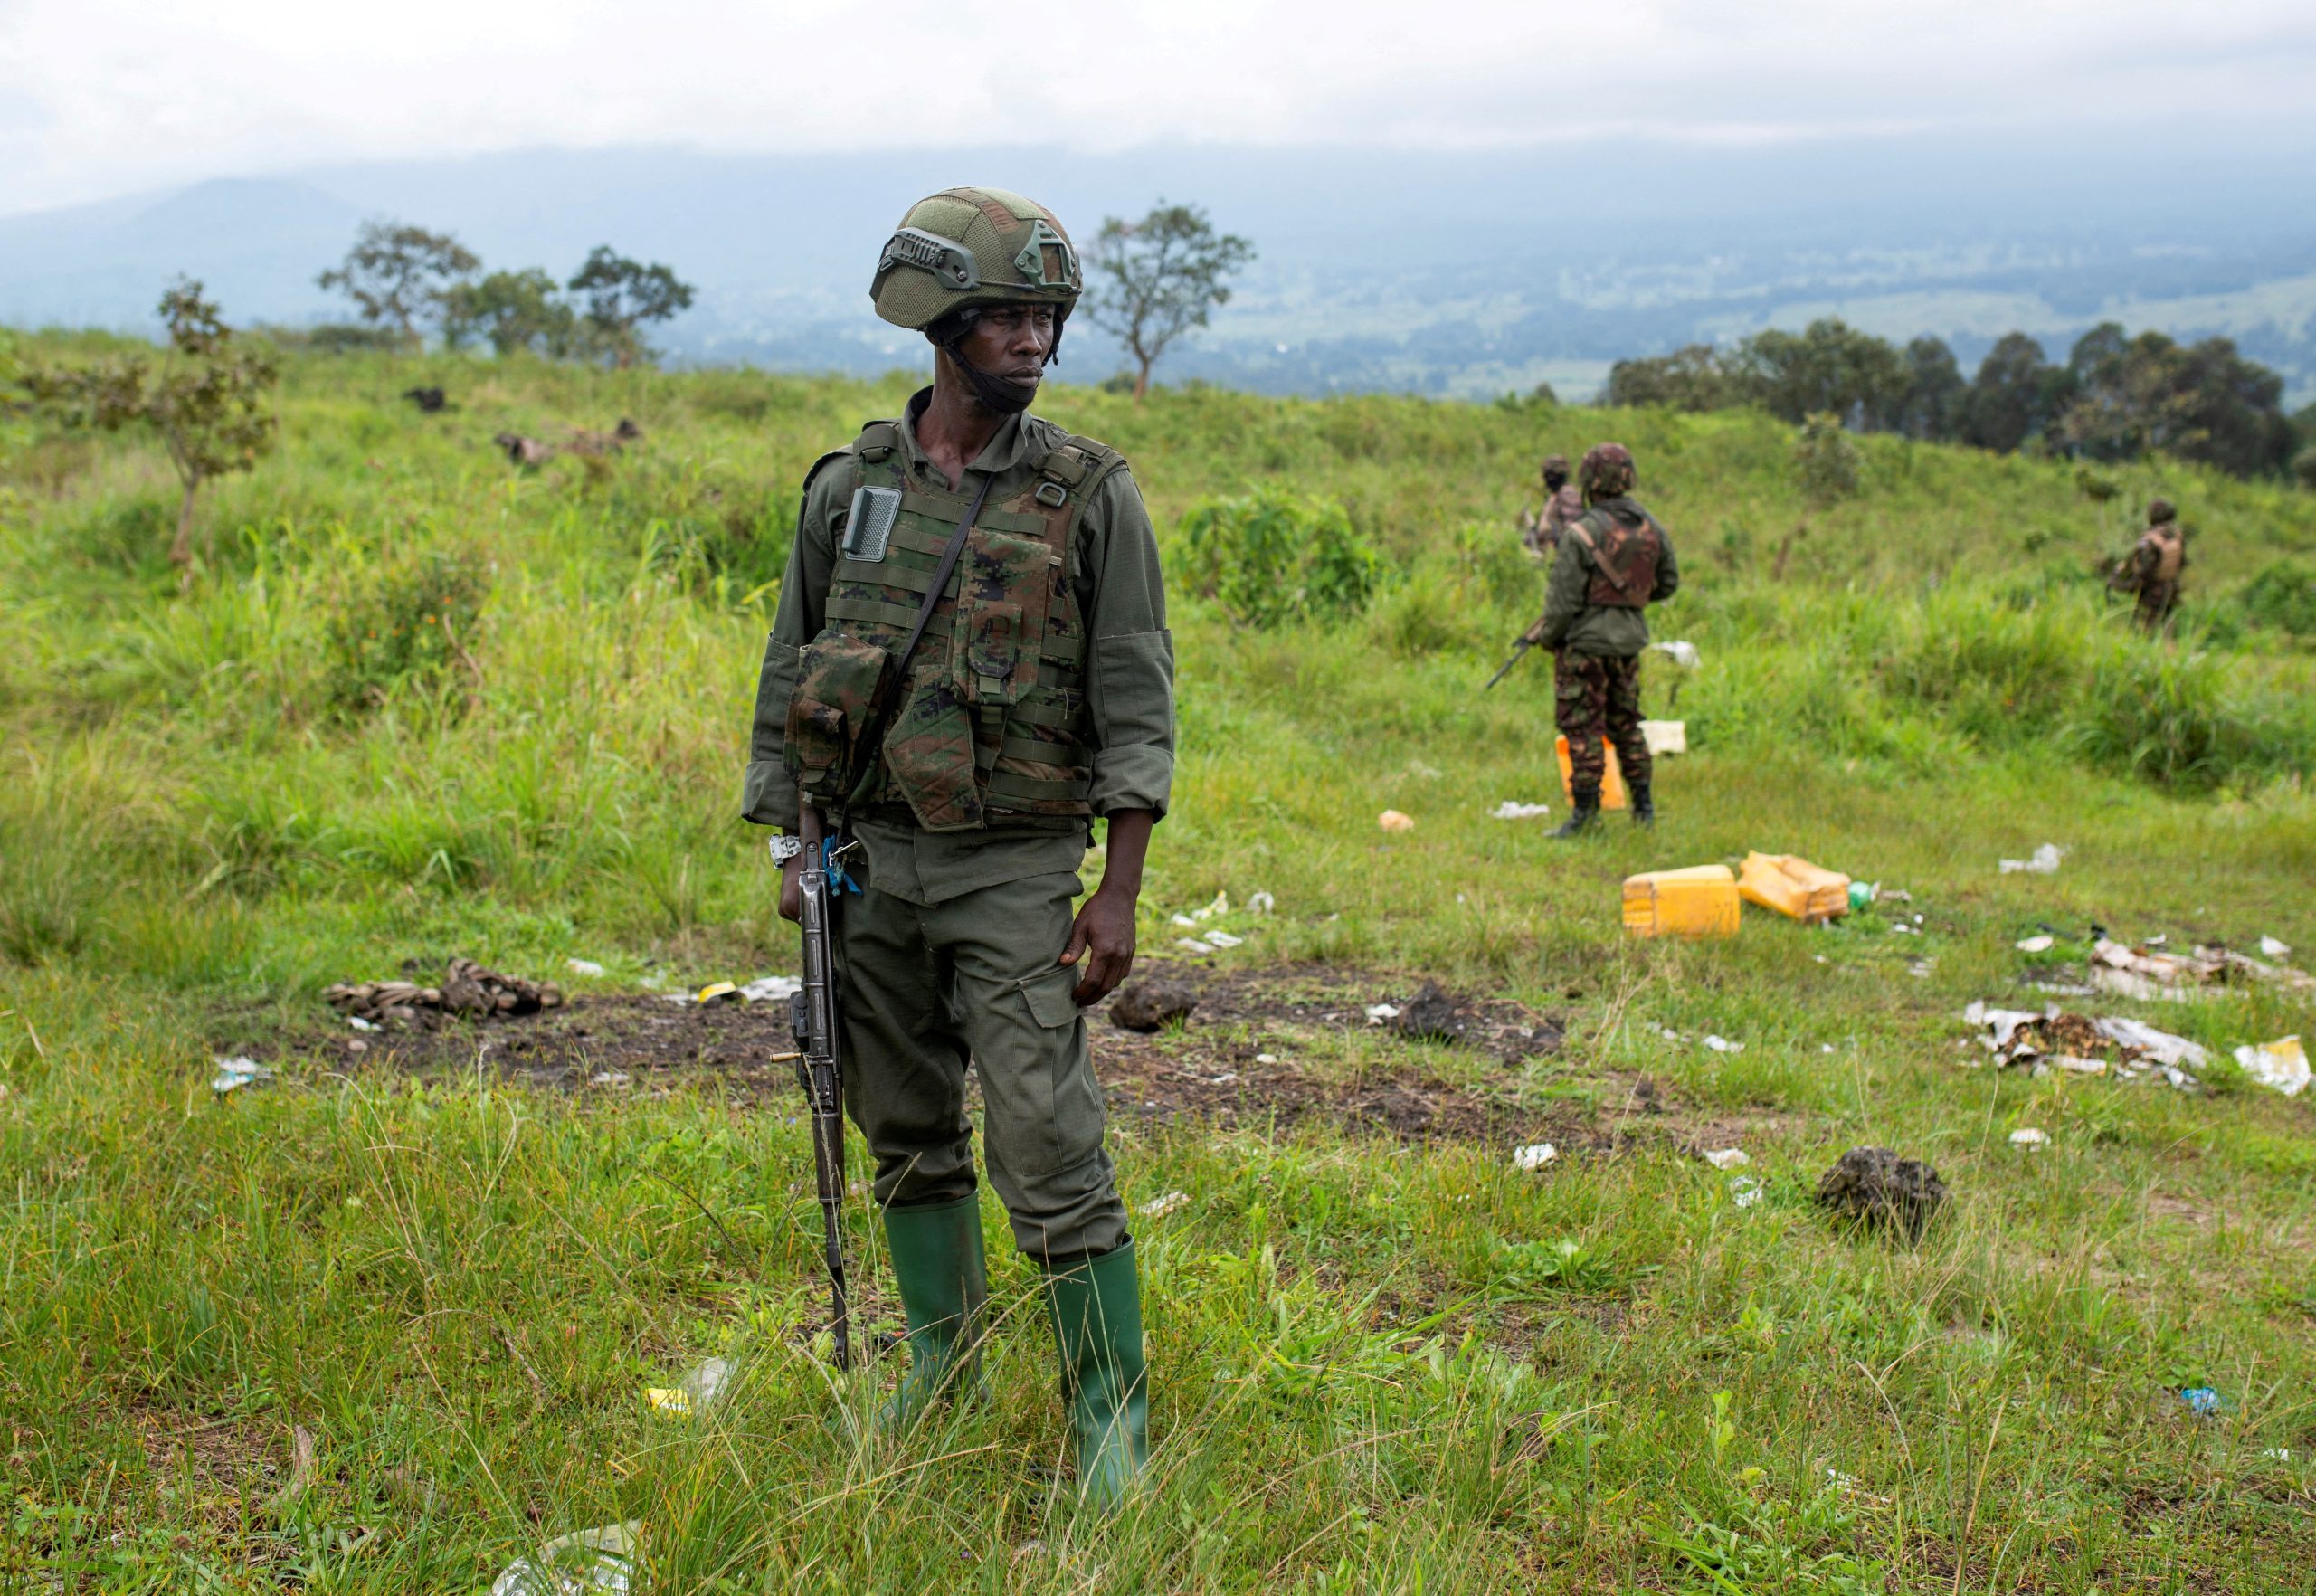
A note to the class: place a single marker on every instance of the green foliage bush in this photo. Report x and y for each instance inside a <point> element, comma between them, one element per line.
<point>1274,556</point>
<point>413,620</point>
<point>2282,595</point>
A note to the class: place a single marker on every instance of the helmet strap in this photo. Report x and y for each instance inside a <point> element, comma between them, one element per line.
<point>1000,394</point>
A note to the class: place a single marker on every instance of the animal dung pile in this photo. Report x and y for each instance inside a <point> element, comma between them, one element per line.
<point>468,991</point>
<point>1874,1186</point>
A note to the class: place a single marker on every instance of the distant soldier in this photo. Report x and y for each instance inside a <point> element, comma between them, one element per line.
<point>1562,504</point>
<point>1614,560</point>
<point>2151,569</point>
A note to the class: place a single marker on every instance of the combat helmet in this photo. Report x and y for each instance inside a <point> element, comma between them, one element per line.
<point>965,247</point>
<point>2160,511</point>
<point>1607,471</point>
<point>1555,465</point>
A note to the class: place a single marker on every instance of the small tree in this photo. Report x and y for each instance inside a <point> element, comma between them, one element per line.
<point>1824,461</point>
<point>205,397</point>
<point>1162,276</point>
<point>514,310</point>
<point>398,275</point>
<point>621,294</point>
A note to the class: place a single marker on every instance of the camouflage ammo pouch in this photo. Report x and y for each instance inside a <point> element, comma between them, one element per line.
<point>989,715</point>
<point>1624,560</point>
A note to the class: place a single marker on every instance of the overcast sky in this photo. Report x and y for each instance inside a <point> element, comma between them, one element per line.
<point>101,98</point>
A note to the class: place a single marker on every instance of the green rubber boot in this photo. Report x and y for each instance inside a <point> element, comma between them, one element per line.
<point>1097,1307</point>
<point>936,1253</point>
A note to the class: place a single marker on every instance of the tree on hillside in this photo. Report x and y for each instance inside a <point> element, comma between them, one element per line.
<point>1159,278</point>
<point>1828,367</point>
<point>2011,398</point>
<point>1692,378</point>
<point>207,398</point>
<point>621,294</point>
<point>514,310</point>
<point>1932,406</point>
<point>2202,402</point>
<point>398,275</point>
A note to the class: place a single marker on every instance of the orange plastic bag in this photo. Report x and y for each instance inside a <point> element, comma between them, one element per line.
<point>1612,785</point>
<point>1794,887</point>
<point>1699,901</point>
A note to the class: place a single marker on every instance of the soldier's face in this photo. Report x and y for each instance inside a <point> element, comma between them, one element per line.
<point>1011,341</point>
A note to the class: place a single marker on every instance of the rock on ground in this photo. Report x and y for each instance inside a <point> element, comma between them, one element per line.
<point>1149,1005</point>
<point>1431,1015</point>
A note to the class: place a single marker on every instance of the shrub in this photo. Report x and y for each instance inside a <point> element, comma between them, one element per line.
<point>1274,556</point>
<point>413,620</point>
<point>2282,595</point>
<point>1824,461</point>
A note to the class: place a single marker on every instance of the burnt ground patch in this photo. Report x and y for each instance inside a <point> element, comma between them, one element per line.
<point>1237,1061</point>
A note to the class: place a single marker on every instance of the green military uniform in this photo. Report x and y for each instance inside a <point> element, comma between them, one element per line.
<point>1614,561</point>
<point>1039,697</point>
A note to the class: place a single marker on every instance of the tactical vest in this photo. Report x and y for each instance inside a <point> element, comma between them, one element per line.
<point>2170,552</point>
<point>1624,560</point>
<point>991,718</point>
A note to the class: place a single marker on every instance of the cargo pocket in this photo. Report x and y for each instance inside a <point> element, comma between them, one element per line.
<point>930,753</point>
<point>840,681</point>
<point>1061,1074</point>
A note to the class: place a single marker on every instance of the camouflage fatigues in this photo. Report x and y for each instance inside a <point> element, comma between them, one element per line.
<point>2151,570</point>
<point>1544,536</point>
<point>1595,702</point>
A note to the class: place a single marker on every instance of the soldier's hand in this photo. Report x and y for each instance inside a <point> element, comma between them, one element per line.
<point>791,888</point>
<point>1102,935</point>
<point>1535,634</point>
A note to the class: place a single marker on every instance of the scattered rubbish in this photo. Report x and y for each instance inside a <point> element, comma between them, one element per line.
<point>1699,901</point>
<point>1223,939</point>
<point>771,989</point>
<point>2183,978</point>
<point>1266,1058</point>
<point>1901,929</point>
<point>1825,1048</point>
<point>2053,1039</point>
<point>1221,906</point>
<point>359,1023</point>
<point>1261,903</point>
<point>1721,1044</point>
<point>585,1563</point>
<point>1378,1013</point>
<point>1432,1015</point>
<point>1510,810</point>
<point>1919,969</point>
<point>1665,737</point>
<point>1192,945</point>
<point>1862,893</point>
<point>2278,1454</point>
<point>1391,820</point>
<point>2282,1064</point>
<point>2202,1400</point>
<point>1150,1004</point>
<point>1534,1157</point>
<point>1683,654</point>
<point>1727,1158</point>
<point>1160,1207</point>
<point>1745,1191</point>
<point>234,1074</point>
<point>2028,1136</point>
<point>1874,1186</point>
<point>587,967</point>
<point>2270,948</point>
<point>467,989</point>
<point>1793,887</point>
<point>1185,922</point>
<point>2036,943</point>
<point>696,1393</point>
<point>717,992</point>
<point>608,1078</point>
<point>1612,779</point>
<point>2045,861</point>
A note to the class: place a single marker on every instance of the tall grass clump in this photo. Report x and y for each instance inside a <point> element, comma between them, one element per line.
<point>414,618</point>
<point>1274,556</point>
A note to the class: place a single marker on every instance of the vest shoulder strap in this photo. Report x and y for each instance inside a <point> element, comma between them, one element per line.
<point>1075,466</point>
<point>1582,534</point>
<point>878,441</point>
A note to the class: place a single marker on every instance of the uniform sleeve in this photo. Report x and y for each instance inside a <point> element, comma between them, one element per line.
<point>1668,570</point>
<point>1564,596</point>
<point>768,793</point>
<point>1130,653</point>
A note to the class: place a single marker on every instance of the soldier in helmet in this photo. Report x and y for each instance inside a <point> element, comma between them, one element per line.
<point>1563,505</point>
<point>1038,698</point>
<point>2151,569</point>
<point>1615,560</point>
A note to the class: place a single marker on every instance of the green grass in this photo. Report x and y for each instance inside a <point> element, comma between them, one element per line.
<point>1378,1368</point>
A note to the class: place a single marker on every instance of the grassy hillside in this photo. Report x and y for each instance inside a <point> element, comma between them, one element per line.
<point>1385,1362</point>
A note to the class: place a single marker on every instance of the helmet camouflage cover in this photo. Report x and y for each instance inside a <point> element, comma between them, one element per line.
<point>1555,465</point>
<point>1607,471</point>
<point>973,246</point>
<point>2159,512</point>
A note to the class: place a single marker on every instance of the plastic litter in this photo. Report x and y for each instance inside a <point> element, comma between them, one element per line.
<point>1745,1191</point>
<point>1266,1057</point>
<point>234,1074</point>
<point>2053,1039</point>
<point>1261,903</point>
<point>1665,737</point>
<point>2282,1064</point>
<point>1192,945</point>
<point>608,1078</point>
<point>1510,810</point>
<point>1721,1044</point>
<point>2201,1399</point>
<point>1185,922</point>
<point>1612,779</point>
<point>1699,901</point>
<point>2028,1136</point>
<point>2044,862</point>
<point>1793,887</point>
<point>585,1563</point>
<point>1727,1158</point>
<point>1160,1207</point>
<point>1683,654</point>
<point>696,1393</point>
<point>716,991</point>
<point>582,967</point>
<point>1862,893</point>
<point>1223,939</point>
<point>1221,906</point>
<point>2270,948</point>
<point>2034,944</point>
<point>771,989</point>
<point>1391,820</point>
<point>1534,1157</point>
<point>1378,1013</point>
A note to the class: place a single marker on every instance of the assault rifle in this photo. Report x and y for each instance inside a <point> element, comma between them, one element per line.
<point>1519,651</point>
<point>812,1016</point>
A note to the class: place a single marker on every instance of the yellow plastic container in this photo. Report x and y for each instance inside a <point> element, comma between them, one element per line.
<point>1793,887</point>
<point>1612,783</point>
<point>1699,901</point>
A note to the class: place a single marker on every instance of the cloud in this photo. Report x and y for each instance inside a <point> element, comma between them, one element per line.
<point>106,97</point>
